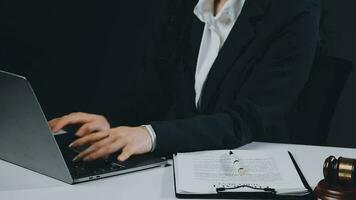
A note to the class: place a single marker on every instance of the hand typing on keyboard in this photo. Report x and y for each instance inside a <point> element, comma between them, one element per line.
<point>95,131</point>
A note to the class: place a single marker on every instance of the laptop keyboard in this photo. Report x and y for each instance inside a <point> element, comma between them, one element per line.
<point>84,169</point>
<point>102,166</point>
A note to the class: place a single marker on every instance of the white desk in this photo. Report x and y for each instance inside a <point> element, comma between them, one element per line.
<point>17,183</point>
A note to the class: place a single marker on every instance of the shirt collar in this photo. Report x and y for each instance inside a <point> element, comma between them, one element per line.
<point>229,13</point>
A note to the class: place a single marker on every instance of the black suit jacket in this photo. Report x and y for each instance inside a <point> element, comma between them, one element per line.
<point>253,85</point>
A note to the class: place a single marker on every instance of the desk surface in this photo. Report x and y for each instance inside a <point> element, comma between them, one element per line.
<point>18,183</point>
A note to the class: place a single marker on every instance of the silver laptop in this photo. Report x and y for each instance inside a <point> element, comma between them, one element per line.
<point>26,140</point>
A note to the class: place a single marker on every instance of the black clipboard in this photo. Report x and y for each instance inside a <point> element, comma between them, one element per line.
<point>251,195</point>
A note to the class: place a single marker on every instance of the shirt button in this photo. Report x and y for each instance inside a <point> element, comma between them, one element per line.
<point>225,19</point>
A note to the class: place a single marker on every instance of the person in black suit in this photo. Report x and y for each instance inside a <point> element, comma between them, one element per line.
<point>232,68</point>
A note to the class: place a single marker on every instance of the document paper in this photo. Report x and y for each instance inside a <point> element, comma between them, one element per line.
<point>203,172</point>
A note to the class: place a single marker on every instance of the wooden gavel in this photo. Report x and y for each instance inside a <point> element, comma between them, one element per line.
<point>339,181</point>
<point>341,171</point>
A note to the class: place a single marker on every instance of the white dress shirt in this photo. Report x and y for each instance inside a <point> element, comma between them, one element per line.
<point>216,31</point>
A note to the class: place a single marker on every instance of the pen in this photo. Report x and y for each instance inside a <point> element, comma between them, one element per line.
<point>237,164</point>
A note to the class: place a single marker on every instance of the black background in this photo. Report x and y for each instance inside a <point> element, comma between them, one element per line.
<point>84,55</point>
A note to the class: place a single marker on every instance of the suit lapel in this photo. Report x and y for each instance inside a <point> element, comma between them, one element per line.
<point>186,105</point>
<point>237,42</point>
<point>195,40</point>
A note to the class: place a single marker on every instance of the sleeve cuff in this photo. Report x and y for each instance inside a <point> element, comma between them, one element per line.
<point>152,133</point>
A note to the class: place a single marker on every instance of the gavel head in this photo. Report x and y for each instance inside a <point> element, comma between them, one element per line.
<point>341,171</point>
